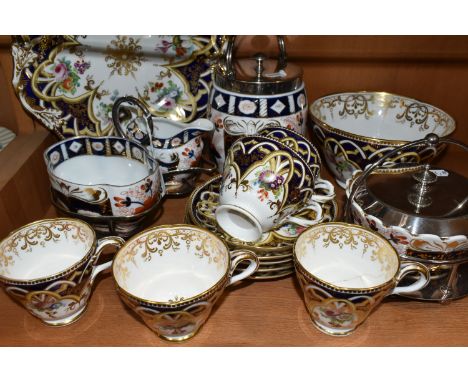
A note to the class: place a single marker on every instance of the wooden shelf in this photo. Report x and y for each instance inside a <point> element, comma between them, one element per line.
<point>253,313</point>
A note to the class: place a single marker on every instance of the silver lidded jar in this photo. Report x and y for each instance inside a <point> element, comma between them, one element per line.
<point>252,93</point>
<point>423,212</point>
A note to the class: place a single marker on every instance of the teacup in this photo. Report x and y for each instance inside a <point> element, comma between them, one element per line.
<point>298,143</point>
<point>172,276</point>
<point>264,183</point>
<point>345,271</point>
<point>49,266</point>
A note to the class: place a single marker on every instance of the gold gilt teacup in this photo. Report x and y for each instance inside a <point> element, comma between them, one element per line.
<point>172,276</point>
<point>49,267</point>
<point>345,271</point>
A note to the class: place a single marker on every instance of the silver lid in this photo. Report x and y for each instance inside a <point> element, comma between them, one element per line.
<point>258,75</point>
<point>430,201</point>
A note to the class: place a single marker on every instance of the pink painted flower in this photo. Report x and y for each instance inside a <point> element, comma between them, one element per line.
<point>61,72</point>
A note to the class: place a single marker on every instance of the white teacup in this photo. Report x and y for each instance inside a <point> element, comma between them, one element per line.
<point>264,183</point>
<point>49,267</point>
<point>345,271</point>
<point>171,276</point>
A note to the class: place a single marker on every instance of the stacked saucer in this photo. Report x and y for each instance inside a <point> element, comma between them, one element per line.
<point>274,249</point>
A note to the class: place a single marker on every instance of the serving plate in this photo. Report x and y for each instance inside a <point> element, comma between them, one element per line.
<point>69,83</point>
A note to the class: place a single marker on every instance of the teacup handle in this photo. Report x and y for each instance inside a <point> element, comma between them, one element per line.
<point>315,206</point>
<point>239,255</point>
<point>322,184</point>
<point>420,283</point>
<point>116,241</point>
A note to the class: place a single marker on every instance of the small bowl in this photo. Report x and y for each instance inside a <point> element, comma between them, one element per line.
<point>106,176</point>
<point>357,128</point>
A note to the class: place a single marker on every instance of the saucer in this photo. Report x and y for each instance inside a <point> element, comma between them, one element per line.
<point>202,205</point>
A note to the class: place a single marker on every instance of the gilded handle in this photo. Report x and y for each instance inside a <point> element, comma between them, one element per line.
<point>237,257</point>
<point>420,283</point>
<point>115,241</point>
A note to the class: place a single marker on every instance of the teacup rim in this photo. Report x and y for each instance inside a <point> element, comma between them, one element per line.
<point>270,128</point>
<point>167,304</point>
<point>291,151</point>
<point>76,265</point>
<point>149,157</point>
<point>337,288</point>
<point>366,139</point>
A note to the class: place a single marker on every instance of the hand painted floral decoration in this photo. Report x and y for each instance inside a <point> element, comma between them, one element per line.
<point>268,181</point>
<point>67,76</point>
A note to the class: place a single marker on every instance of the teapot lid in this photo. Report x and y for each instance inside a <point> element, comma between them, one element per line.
<point>423,200</point>
<point>258,75</point>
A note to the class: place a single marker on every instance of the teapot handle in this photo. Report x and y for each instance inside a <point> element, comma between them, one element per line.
<point>282,58</point>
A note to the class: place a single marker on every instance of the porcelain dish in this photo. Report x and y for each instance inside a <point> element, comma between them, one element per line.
<point>104,176</point>
<point>172,276</point>
<point>345,271</point>
<point>264,183</point>
<point>49,267</point>
<point>423,212</point>
<point>69,83</point>
<point>357,128</point>
<point>177,146</point>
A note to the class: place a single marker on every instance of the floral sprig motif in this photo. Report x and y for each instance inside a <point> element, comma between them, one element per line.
<point>268,181</point>
<point>67,75</point>
<point>167,95</point>
<point>180,47</point>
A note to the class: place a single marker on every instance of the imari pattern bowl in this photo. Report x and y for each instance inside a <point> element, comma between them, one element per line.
<point>104,176</point>
<point>356,129</point>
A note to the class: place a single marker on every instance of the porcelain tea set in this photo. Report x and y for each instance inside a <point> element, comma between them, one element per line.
<point>268,214</point>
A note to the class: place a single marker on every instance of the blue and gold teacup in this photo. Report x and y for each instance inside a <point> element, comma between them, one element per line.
<point>345,272</point>
<point>264,183</point>
<point>49,267</point>
<point>171,276</point>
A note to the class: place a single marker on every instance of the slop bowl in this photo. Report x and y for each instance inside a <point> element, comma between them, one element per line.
<point>106,176</point>
<point>356,129</point>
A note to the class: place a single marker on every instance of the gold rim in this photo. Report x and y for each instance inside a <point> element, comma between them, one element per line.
<point>300,135</point>
<point>215,287</point>
<point>144,151</point>
<point>71,268</point>
<point>309,275</point>
<point>362,138</point>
